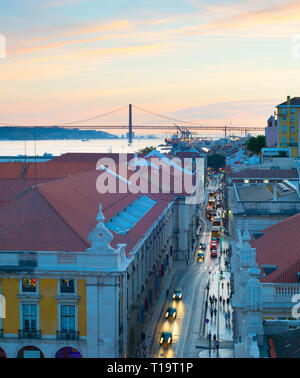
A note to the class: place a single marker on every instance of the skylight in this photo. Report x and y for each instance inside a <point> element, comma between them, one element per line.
<point>127,218</point>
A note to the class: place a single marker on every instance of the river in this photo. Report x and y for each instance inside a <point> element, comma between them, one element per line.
<point>58,147</point>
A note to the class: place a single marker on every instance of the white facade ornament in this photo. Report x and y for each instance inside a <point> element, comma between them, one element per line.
<point>246,236</point>
<point>111,259</point>
<point>247,255</point>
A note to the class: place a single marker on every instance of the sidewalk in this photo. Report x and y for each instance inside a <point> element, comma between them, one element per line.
<point>217,321</point>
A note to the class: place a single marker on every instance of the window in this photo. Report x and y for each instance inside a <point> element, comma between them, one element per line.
<point>283,128</point>
<point>292,128</point>
<point>29,313</point>
<point>284,117</point>
<point>283,142</point>
<point>67,286</point>
<point>293,141</point>
<point>67,318</point>
<point>29,285</point>
<point>292,118</point>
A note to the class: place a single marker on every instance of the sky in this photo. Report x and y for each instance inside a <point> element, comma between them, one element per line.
<point>213,62</point>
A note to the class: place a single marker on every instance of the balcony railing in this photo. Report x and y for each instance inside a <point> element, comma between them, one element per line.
<point>67,335</point>
<point>29,334</point>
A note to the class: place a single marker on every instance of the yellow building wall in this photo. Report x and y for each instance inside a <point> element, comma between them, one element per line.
<point>48,306</point>
<point>48,289</point>
<point>81,291</point>
<point>288,135</point>
<point>10,289</point>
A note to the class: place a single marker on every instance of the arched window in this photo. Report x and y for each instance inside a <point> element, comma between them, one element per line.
<point>30,352</point>
<point>68,352</point>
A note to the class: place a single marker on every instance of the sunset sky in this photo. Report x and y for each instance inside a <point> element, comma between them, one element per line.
<point>207,61</point>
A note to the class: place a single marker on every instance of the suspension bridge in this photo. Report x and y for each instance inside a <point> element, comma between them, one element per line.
<point>175,124</point>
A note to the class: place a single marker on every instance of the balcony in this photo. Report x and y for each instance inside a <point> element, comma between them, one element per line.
<point>1,332</point>
<point>29,334</point>
<point>67,335</point>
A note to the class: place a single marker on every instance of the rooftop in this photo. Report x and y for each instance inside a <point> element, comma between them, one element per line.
<point>249,173</point>
<point>279,245</point>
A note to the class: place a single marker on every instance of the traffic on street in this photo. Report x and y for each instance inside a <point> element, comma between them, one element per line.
<point>191,325</point>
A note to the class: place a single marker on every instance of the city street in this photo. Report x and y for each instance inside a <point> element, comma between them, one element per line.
<point>189,328</point>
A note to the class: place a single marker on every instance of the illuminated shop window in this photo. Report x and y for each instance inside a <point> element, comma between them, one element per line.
<point>29,285</point>
<point>67,286</point>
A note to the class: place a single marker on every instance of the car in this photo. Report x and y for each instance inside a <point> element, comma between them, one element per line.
<point>171,313</point>
<point>166,338</point>
<point>200,257</point>
<point>177,294</point>
<point>213,253</point>
<point>202,246</point>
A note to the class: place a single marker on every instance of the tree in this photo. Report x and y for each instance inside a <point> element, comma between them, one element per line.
<point>256,144</point>
<point>282,154</point>
<point>216,161</point>
<point>146,150</point>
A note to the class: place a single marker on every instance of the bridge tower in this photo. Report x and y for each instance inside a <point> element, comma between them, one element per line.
<point>130,125</point>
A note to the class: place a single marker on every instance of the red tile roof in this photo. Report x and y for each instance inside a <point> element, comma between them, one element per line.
<point>279,245</point>
<point>11,188</point>
<point>11,170</point>
<point>60,215</point>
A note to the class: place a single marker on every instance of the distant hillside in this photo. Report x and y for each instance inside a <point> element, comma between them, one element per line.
<point>50,133</point>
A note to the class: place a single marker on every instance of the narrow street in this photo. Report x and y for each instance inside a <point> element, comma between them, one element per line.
<point>193,321</point>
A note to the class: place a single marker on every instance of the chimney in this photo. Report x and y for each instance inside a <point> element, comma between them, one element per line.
<point>289,100</point>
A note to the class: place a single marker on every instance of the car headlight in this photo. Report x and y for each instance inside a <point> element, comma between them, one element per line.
<point>167,314</point>
<point>169,340</point>
<point>161,340</point>
<point>174,314</point>
<point>174,296</point>
<point>180,296</point>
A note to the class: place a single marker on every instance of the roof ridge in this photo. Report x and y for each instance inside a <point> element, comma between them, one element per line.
<point>61,217</point>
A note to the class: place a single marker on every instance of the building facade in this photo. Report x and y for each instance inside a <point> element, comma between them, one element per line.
<point>288,118</point>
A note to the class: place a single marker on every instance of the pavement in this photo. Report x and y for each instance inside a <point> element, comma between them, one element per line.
<point>217,321</point>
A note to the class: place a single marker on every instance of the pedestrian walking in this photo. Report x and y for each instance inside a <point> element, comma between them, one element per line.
<point>220,298</point>
<point>215,338</point>
<point>211,312</point>
<point>227,301</point>
<point>217,346</point>
<point>228,315</point>
<point>222,285</point>
<point>137,352</point>
<point>144,350</point>
<point>215,312</point>
<point>223,302</point>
